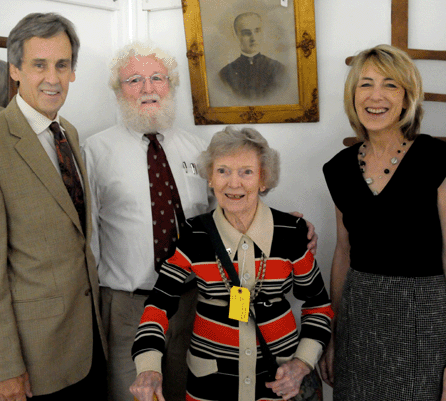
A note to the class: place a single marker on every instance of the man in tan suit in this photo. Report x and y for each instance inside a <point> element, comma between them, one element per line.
<point>50,332</point>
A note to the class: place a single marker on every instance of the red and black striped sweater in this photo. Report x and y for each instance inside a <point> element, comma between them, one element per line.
<point>290,266</point>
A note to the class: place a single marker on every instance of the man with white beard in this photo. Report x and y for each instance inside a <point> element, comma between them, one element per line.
<point>125,240</point>
<point>144,81</point>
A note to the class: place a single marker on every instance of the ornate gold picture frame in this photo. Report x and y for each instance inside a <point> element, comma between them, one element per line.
<point>283,66</point>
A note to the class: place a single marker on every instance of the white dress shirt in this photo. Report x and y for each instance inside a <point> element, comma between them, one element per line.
<point>122,237</point>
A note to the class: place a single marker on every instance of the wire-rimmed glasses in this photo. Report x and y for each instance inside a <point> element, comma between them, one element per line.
<point>158,80</point>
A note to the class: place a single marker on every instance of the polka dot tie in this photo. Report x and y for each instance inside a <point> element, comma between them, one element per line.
<point>166,203</point>
<point>68,171</point>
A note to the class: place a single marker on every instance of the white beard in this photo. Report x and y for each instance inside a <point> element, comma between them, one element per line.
<point>155,121</point>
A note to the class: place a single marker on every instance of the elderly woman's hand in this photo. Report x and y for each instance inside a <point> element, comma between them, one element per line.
<point>289,377</point>
<point>147,385</point>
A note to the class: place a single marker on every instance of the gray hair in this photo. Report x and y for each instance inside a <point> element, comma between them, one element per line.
<point>138,49</point>
<point>231,140</point>
<point>3,83</point>
<point>41,26</point>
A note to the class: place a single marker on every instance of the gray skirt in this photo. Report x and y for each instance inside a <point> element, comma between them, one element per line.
<point>390,338</point>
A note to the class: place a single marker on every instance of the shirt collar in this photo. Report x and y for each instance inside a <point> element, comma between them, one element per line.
<point>260,231</point>
<point>250,55</point>
<point>38,122</point>
<point>140,135</point>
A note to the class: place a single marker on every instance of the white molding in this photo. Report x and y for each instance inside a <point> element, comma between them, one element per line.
<point>111,5</point>
<point>156,5</point>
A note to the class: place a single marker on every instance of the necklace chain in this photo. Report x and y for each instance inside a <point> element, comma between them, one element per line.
<point>259,278</point>
<point>362,164</point>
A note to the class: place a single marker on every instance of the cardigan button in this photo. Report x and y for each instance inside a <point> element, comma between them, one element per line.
<point>248,352</point>
<point>248,381</point>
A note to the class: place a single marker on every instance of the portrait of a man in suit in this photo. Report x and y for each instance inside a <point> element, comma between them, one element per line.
<point>252,75</point>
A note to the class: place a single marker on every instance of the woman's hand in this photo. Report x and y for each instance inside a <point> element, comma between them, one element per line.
<point>146,385</point>
<point>327,362</point>
<point>289,377</point>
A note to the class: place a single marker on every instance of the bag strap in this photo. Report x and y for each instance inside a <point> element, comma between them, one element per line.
<point>219,248</point>
<point>222,254</point>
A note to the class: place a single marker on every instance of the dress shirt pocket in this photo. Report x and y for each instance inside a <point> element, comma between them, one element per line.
<point>201,367</point>
<point>197,191</point>
<point>38,308</point>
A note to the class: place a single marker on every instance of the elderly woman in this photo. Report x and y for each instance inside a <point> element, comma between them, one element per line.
<point>269,252</point>
<point>388,286</point>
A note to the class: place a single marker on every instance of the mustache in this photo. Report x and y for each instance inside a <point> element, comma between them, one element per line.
<point>148,98</point>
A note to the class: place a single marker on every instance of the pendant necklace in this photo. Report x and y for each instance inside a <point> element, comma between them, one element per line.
<point>393,161</point>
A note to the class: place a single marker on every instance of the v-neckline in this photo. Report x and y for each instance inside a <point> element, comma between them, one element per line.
<point>402,162</point>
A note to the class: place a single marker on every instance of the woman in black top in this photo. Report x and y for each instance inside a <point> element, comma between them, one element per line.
<point>388,286</point>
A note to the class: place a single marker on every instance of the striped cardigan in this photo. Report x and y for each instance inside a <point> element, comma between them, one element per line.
<point>216,337</point>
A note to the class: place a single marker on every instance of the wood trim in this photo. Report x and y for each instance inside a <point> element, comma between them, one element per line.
<point>400,39</point>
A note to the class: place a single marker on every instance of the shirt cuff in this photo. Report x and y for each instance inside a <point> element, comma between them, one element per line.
<point>309,351</point>
<point>150,360</point>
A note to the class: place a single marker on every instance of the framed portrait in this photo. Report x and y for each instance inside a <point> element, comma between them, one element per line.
<point>252,61</point>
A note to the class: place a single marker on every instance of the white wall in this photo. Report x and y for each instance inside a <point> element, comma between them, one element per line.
<point>343,27</point>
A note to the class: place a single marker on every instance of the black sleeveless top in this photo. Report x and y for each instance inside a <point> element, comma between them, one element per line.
<point>397,232</point>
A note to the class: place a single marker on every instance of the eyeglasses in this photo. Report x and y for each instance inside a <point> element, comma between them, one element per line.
<point>138,81</point>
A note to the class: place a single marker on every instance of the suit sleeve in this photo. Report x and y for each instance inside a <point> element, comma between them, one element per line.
<point>12,364</point>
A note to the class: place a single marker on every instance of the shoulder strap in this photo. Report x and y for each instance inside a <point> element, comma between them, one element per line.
<point>219,248</point>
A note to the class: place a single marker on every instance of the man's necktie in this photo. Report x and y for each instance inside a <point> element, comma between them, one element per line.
<point>166,203</point>
<point>68,171</point>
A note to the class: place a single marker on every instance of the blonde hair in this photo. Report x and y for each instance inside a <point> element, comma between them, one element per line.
<point>392,63</point>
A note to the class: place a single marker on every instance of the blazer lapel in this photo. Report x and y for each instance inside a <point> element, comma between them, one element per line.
<point>32,152</point>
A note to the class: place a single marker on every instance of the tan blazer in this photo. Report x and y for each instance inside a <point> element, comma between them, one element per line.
<point>47,271</point>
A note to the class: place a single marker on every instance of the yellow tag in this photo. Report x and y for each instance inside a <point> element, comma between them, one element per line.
<point>239,304</point>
